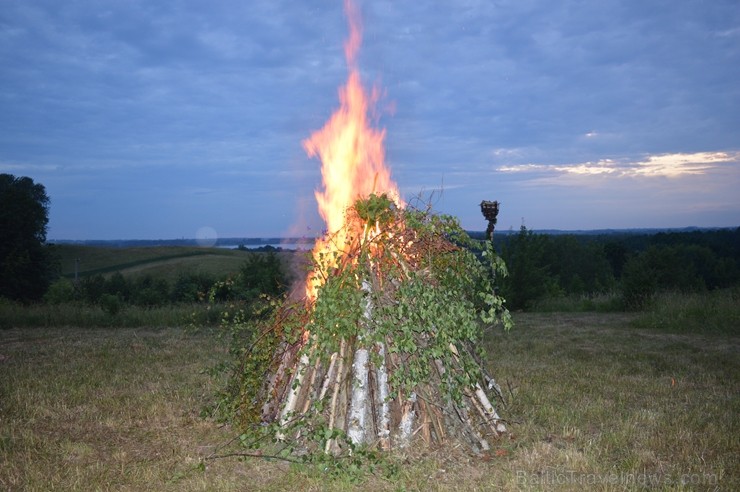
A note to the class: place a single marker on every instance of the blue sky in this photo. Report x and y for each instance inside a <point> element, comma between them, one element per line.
<point>159,119</point>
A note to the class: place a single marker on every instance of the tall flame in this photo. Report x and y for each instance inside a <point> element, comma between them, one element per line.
<point>351,151</point>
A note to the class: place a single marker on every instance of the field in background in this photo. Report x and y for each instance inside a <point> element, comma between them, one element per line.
<point>166,262</point>
<point>593,402</point>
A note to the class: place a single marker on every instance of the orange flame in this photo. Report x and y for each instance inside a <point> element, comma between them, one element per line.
<point>351,151</point>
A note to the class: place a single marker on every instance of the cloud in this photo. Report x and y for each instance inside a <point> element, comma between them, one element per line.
<point>20,168</point>
<point>664,165</point>
<point>219,95</point>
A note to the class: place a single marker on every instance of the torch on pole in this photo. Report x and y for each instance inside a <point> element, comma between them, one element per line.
<point>490,212</point>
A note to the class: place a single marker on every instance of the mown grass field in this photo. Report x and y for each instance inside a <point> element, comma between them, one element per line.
<point>165,262</point>
<point>593,403</point>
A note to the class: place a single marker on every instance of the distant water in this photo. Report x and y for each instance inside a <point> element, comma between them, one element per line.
<point>288,246</point>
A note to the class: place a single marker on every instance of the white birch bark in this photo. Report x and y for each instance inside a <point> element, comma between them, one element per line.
<point>335,392</point>
<point>329,375</point>
<point>292,400</point>
<point>406,426</point>
<point>384,418</point>
<point>358,409</point>
<point>488,408</point>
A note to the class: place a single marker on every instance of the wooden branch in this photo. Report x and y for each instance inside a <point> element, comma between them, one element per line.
<point>335,394</point>
<point>295,389</point>
<point>358,409</point>
<point>481,440</point>
<point>311,384</point>
<point>384,417</point>
<point>499,427</point>
<point>407,421</point>
<point>328,377</point>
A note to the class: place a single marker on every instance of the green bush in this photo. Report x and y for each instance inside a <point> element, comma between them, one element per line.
<point>111,304</point>
<point>262,273</point>
<point>715,312</point>
<point>61,291</point>
<point>529,278</point>
<point>149,291</point>
<point>639,283</point>
<point>191,287</point>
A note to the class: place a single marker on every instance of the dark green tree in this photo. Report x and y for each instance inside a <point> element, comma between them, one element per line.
<point>26,263</point>
<point>262,273</point>
<point>577,264</point>
<point>529,276</point>
<point>191,287</point>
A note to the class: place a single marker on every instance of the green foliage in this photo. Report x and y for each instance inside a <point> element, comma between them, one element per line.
<point>714,312</point>
<point>579,267</point>
<point>609,302</point>
<point>191,287</point>
<point>675,268</point>
<point>412,280</point>
<point>27,266</point>
<point>111,304</point>
<point>546,269</point>
<point>150,291</point>
<point>376,209</point>
<point>420,307</point>
<point>91,288</point>
<point>83,315</point>
<point>529,277</point>
<point>639,283</point>
<point>60,291</point>
<point>252,341</point>
<point>261,274</point>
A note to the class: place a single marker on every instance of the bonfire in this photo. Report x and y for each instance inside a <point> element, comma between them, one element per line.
<point>382,349</point>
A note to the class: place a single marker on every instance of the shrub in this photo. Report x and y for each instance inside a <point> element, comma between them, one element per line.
<point>111,304</point>
<point>61,291</point>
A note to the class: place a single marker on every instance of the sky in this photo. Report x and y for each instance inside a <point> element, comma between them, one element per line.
<point>162,120</point>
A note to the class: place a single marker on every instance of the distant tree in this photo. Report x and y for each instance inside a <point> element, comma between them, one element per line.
<point>191,287</point>
<point>676,267</point>
<point>150,291</point>
<point>26,264</point>
<point>529,278</point>
<point>261,273</point>
<point>60,291</point>
<point>118,286</point>
<point>639,282</point>
<point>577,264</point>
<point>91,288</point>
<point>617,255</point>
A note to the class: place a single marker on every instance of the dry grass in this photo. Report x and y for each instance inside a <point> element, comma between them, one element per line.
<point>594,404</point>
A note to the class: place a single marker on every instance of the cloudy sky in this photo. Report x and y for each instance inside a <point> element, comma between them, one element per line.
<point>158,119</point>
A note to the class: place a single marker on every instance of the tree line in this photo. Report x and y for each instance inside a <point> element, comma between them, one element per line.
<point>261,274</point>
<point>635,267</point>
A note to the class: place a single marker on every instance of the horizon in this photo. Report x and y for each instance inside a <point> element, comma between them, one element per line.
<point>296,239</point>
<point>149,120</point>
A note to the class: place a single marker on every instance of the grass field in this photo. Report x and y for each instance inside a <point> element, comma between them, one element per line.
<point>593,403</point>
<point>166,262</point>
